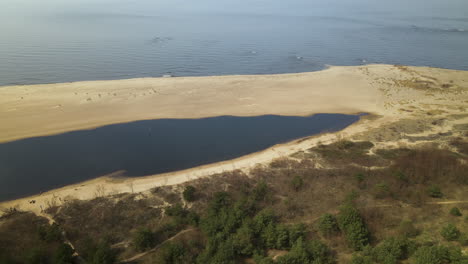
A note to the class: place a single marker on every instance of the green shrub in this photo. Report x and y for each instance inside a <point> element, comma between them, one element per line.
<point>103,254</point>
<point>143,240</point>
<point>429,255</point>
<point>358,259</point>
<point>455,211</point>
<point>359,177</point>
<point>220,200</point>
<point>328,225</point>
<point>381,190</point>
<point>463,239</point>
<point>260,191</point>
<point>407,229</point>
<point>189,193</point>
<point>259,259</point>
<point>307,253</point>
<point>176,210</point>
<point>295,232</point>
<point>263,219</point>
<point>36,256</point>
<point>351,223</point>
<point>391,250</point>
<point>438,255</point>
<point>351,196</point>
<point>435,192</point>
<point>243,240</point>
<point>63,255</point>
<point>182,216</point>
<point>282,237</point>
<point>297,182</point>
<point>50,233</point>
<point>401,176</point>
<point>172,253</point>
<point>450,232</point>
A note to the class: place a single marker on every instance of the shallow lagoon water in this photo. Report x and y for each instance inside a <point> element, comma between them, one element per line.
<point>140,148</point>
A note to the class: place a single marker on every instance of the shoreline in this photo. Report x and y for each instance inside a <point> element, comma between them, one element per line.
<point>326,67</point>
<point>115,183</point>
<point>389,92</point>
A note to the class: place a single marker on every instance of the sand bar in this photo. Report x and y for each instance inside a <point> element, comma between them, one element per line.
<point>391,92</point>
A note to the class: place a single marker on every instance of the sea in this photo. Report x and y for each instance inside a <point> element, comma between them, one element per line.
<point>54,41</point>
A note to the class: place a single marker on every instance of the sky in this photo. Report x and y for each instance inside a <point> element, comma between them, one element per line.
<point>456,8</point>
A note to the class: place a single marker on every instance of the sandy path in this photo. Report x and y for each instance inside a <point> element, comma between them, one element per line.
<point>391,92</point>
<point>140,255</point>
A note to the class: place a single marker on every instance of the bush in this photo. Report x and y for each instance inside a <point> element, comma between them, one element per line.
<point>381,190</point>
<point>328,225</point>
<point>391,250</point>
<point>259,259</point>
<point>450,232</point>
<point>182,216</point>
<point>351,223</point>
<point>359,177</point>
<point>307,253</point>
<point>401,176</point>
<point>51,233</point>
<point>352,196</point>
<point>36,256</point>
<point>143,240</point>
<point>438,255</point>
<point>260,191</point>
<point>463,239</point>
<point>358,259</point>
<point>176,210</point>
<point>455,211</point>
<point>103,254</point>
<point>63,255</point>
<point>172,253</point>
<point>189,193</point>
<point>297,182</point>
<point>407,229</point>
<point>295,232</point>
<point>435,192</point>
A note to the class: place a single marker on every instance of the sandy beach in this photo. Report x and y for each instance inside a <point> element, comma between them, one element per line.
<point>389,93</point>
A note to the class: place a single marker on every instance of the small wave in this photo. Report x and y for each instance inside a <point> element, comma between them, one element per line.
<point>427,29</point>
<point>157,40</point>
<point>462,19</point>
<point>362,61</point>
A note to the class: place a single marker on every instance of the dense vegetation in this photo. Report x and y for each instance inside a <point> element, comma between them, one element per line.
<point>288,212</point>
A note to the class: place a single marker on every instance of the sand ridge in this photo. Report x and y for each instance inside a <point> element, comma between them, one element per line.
<point>391,93</point>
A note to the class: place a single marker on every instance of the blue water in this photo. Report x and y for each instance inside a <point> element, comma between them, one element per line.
<point>118,39</point>
<point>140,148</point>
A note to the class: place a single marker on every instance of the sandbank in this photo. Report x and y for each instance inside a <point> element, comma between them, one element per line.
<point>388,92</point>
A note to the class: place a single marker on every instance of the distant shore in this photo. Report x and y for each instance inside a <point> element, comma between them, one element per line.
<point>390,93</point>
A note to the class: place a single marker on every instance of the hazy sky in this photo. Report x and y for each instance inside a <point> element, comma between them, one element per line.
<point>454,8</point>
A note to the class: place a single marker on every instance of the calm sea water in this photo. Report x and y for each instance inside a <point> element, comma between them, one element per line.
<point>141,148</point>
<point>92,44</point>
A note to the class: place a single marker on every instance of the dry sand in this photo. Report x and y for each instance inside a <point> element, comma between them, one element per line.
<point>393,93</point>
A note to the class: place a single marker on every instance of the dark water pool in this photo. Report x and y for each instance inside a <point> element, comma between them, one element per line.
<point>141,148</point>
